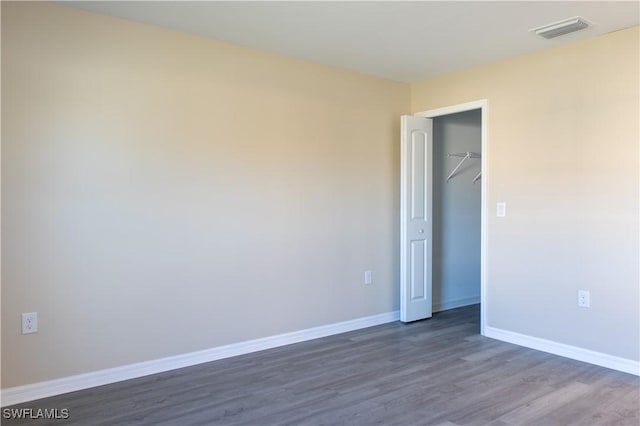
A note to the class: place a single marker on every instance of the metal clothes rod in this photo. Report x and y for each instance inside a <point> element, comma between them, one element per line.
<point>464,156</point>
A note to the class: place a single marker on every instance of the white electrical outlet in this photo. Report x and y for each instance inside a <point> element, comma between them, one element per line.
<point>29,322</point>
<point>584,298</point>
<point>367,277</point>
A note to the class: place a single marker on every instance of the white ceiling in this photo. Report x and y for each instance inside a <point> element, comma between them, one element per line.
<point>404,41</point>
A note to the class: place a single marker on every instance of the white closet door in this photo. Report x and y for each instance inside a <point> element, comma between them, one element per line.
<point>416,218</point>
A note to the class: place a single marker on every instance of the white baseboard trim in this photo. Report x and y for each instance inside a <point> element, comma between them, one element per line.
<point>592,357</point>
<point>458,303</point>
<point>31,392</point>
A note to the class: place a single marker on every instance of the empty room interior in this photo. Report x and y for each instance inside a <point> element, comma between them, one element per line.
<point>361,213</point>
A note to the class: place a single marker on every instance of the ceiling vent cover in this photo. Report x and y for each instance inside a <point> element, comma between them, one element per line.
<point>563,27</point>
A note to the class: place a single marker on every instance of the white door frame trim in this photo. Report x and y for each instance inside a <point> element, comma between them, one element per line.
<point>468,106</point>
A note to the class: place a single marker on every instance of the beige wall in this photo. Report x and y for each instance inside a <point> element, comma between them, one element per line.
<point>563,154</point>
<point>164,193</point>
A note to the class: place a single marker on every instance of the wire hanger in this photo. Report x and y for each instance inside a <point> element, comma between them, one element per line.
<point>464,156</point>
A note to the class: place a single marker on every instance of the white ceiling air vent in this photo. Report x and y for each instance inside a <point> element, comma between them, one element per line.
<point>563,27</point>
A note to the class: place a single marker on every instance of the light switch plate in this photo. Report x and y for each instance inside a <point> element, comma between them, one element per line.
<point>501,209</point>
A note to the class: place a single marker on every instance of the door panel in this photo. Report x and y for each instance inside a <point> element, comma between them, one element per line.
<point>417,174</point>
<point>416,218</point>
<point>418,270</point>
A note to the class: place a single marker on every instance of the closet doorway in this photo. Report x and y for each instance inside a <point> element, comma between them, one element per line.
<point>457,156</point>
<point>444,169</point>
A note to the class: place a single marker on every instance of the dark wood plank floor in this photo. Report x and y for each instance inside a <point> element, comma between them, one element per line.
<point>434,372</point>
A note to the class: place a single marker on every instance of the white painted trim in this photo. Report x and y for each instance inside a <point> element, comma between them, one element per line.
<point>458,303</point>
<point>453,109</point>
<point>19,394</point>
<point>567,351</point>
<point>484,215</point>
